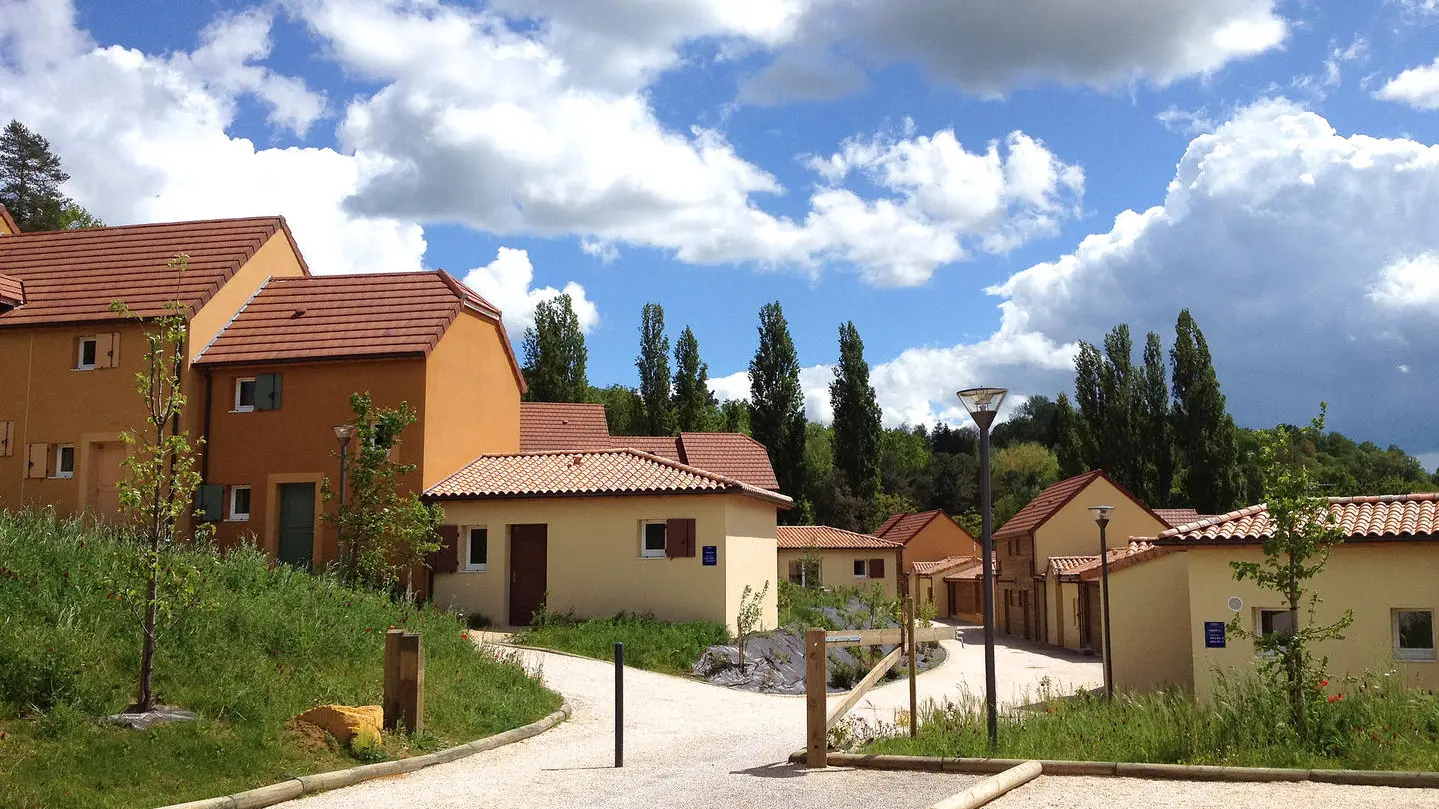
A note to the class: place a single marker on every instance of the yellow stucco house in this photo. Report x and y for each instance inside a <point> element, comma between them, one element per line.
<point>1034,550</point>
<point>1172,597</point>
<point>599,532</point>
<point>823,556</point>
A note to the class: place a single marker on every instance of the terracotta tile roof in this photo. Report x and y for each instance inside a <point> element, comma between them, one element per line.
<point>338,316</point>
<point>1115,554</point>
<point>1038,511</point>
<point>587,474</point>
<point>974,572</point>
<point>72,276</point>
<point>1069,564</point>
<point>12,291</point>
<point>824,537</point>
<point>940,565</point>
<point>1123,558</point>
<point>903,527</point>
<point>1176,517</point>
<point>665,446</point>
<point>732,454</point>
<point>548,426</point>
<point>1399,516</point>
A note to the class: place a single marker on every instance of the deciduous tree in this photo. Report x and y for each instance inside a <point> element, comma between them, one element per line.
<point>856,416</point>
<point>1156,443</point>
<point>1204,433</point>
<point>695,407</point>
<point>777,403</point>
<point>555,354</point>
<point>653,364</point>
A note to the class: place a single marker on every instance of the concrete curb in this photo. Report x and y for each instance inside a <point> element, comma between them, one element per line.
<point>991,787</point>
<point>306,784</point>
<point>1122,769</point>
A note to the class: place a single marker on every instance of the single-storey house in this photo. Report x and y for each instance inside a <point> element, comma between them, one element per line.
<point>599,532</point>
<point>952,594</point>
<point>1172,598</point>
<point>927,536</point>
<point>819,555</point>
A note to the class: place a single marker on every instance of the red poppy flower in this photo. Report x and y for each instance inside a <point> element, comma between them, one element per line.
<point>1323,683</point>
<point>1338,697</point>
<point>1332,698</point>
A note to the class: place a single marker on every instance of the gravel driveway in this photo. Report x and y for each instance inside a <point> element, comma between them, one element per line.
<point>690,744</point>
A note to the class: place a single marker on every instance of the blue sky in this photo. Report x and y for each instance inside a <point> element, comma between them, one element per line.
<point>977,184</point>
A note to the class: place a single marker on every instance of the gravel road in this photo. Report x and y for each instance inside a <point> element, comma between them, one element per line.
<point>1134,793</point>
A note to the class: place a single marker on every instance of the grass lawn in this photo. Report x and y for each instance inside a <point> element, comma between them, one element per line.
<point>1377,724</point>
<point>649,644</point>
<point>263,645</point>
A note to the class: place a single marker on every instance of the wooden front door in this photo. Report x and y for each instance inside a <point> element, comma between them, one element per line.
<point>1089,616</point>
<point>297,524</point>
<point>528,557</point>
<point>105,472</point>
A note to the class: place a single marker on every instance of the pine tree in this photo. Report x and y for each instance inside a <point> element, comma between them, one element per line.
<point>856,417</point>
<point>555,354</point>
<point>30,179</point>
<point>653,364</point>
<point>695,407</point>
<point>777,404</point>
<point>1157,443</point>
<point>1204,434</point>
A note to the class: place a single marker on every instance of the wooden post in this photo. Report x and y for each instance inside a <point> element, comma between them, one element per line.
<point>412,683</point>
<point>390,704</point>
<point>815,660</point>
<point>913,653</point>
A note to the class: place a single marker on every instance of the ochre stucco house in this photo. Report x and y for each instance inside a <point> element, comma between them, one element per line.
<point>934,542</point>
<point>1172,595</point>
<point>845,558</point>
<point>280,375</point>
<point>951,585</point>
<point>68,362</point>
<point>1033,598</point>
<point>599,532</point>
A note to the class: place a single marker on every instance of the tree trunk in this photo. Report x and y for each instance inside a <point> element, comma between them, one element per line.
<point>1294,658</point>
<point>145,698</point>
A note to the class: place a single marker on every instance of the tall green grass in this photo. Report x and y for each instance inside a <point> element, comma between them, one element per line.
<point>649,643</point>
<point>264,644</point>
<point>1376,724</point>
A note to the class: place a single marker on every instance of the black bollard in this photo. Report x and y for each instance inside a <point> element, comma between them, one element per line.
<point>619,705</point>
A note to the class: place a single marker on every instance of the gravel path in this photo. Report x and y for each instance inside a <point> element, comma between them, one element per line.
<point>687,744</point>
<point>1133,793</point>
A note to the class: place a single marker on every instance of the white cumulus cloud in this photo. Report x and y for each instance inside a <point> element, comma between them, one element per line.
<point>507,282</point>
<point>1418,87</point>
<point>1409,283</point>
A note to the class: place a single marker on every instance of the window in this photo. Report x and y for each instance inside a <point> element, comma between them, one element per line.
<point>804,572</point>
<point>477,549</point>
<point>652,540</point>
<point>89,350</point>
<point>861,569</point>
<point>1414,634</point>
<point>1276,622</point>
<point>65,461</point>
<point>239,503</point>
<point>245,394</point>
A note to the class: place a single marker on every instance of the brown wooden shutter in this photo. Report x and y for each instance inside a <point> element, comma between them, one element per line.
<point>876,568</point>
<point>794,571</point>
<point>675,539</point>
<point>37,458</point>
<point>107,350</point>
<point>690,538</point>
<point>7,438</point>
<point>447,558</point>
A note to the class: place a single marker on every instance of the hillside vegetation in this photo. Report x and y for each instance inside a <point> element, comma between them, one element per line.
<point>261,645</point>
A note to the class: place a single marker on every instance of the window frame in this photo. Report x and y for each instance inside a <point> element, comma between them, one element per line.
<point>645,551</point>
<point>233,515</point>
<point>1259,613</point>
<point>64,474</point>
<point>80,364</point>
<point>860,565</point>
<point>240,407</point>
<point>467,533</point>
<point>1413,655</point>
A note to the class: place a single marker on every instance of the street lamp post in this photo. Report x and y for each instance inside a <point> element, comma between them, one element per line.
<point>983,405</point>
<point>343,434</point>
<point>1101,516</point>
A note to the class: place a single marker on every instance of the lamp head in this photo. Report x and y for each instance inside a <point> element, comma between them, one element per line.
<point>344,432</point>
<point>982,404</point>
<point>1101,513</point>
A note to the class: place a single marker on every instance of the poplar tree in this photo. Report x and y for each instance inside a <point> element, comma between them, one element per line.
<point>695,407</point>
<point>1204,434</point>
<point>30,180</point>
<point>856,417</point>
<point>777,404</point>
<point>653,364</point>
<point>1070,446</point>
<point>1117,439</point>
<point>555,354</point>
<point>1157,443</point>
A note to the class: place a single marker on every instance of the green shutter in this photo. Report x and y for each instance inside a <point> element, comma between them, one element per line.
<point>267,392</point>
<point>210,502</point>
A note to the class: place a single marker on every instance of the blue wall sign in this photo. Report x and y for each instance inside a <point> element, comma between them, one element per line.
<point>1214,634</point>
<point>710,554</point>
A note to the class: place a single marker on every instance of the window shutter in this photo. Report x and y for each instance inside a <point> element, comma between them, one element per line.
<point>37,460</point>
<point>107,346</point>
<point>674,538</point>
<point>447,558</point>
<point>876,568</point>
<point>7,438</point>
<point>794,571</point>
<point>267,392</point>
<point>210,502</point>
<point>690,538</point>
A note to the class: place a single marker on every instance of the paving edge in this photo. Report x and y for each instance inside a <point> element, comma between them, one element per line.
<point>307,784</point>
<point>1166,772</point>
<point>992,787</point>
